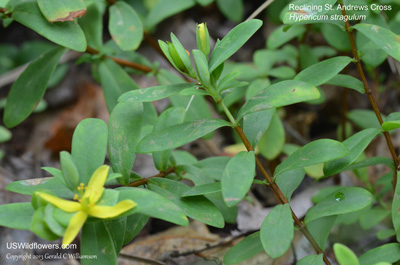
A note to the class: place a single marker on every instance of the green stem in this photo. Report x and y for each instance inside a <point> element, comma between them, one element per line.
<point>227,112</point>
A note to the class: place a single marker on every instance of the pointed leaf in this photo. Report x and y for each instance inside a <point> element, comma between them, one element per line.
<point>232,42</point>
<point>238,177</point>
<point>178,135</point>
<point>154,93</point>
<point>256,124</point>
<point>316,152</point>
<point>67,34</point>
<point>69,170</point>
<point>321,72</point>
<point>321,228</point>
<point>345,200</point>
<point>277,231</point>
<point>29,186</point>
<point>346,81</point>
<point>125,26</point>
<point>356,144</point>
<point>244,250</point>
<point>125,127</point>
<point>280,94</point>
<point>384,38</point>
<point>30,87</point>
<point>89,146</point>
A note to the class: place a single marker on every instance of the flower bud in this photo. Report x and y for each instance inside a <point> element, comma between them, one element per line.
<point>176,58</point>
<point>203,39</point>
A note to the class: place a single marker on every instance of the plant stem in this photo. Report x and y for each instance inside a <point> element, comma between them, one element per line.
<point>370,96</point>
<point>277,191</point>
<point>122,62</point>
<point>144,181</point>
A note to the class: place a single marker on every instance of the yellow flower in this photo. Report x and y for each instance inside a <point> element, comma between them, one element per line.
<point>86,204</point>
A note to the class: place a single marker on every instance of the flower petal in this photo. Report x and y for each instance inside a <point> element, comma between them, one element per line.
<point>75,224</point>
<point>98,178</point>
<point>111,211</point>
<point>65,205</point>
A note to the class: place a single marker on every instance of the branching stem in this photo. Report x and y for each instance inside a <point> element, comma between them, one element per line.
<point>144,181</point>
<point>370,96</point>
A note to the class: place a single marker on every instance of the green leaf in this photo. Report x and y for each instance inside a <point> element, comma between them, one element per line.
<point>396,208</point>
<point>135,222</point>
<point>289,181</point>
<point>336,37</point>
<point>364,118</point>
<point>271,143</point>
<point>321,228</point>
<point>200,61</point>
<point>29,186</point>
<point>345,200</point>
<point>232,9</point>
<point>390,125</point>
<point>256,124</point>
<point>30,87</point>
<point>346,81</point>
<point>384,38</point>
<point>385,234</point>
<point>16,215</point>
<point>115,82</point>
<point>125,26</point>
<point>178,135</point>
<point>213,166</point>
<point>97,240</point>
<point>166,8</point>
<point>196,207</point>
<point>321,72</point>
<point>69,170</point>
<point>89,146</point>
<point>124,133</point>
<point>67,34</point>
<point>232,42</point>
<point>344,255</point>
<point>154,93</point>
<point>278,95</point>
<point>277,231</point>
<point>203,189</point>
<point>153,204</point>
<point>64,10</point>
<point>244,250</point>
<point>51,222</point>
<point>282,72</point>
<point>92,25</point>
<point>282,35</point>
<point>372,217</point>
<point>169,117</point>
<point>372,161</point>
<point>312,260</point>
<point>316,152</point>
<point>356,144</point>
<point>238,177</point>
<point>385,253</point>
<point>39,227</point>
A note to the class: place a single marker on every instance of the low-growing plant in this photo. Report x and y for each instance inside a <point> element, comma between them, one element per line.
<point>111,204</point>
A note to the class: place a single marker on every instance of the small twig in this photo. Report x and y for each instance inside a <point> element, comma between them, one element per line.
<point>122,62</point>
<point>141,259</point>
<point>144,181</point>
<point>111,2</point>
<point>260,9</point>
<point>370,96</point>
